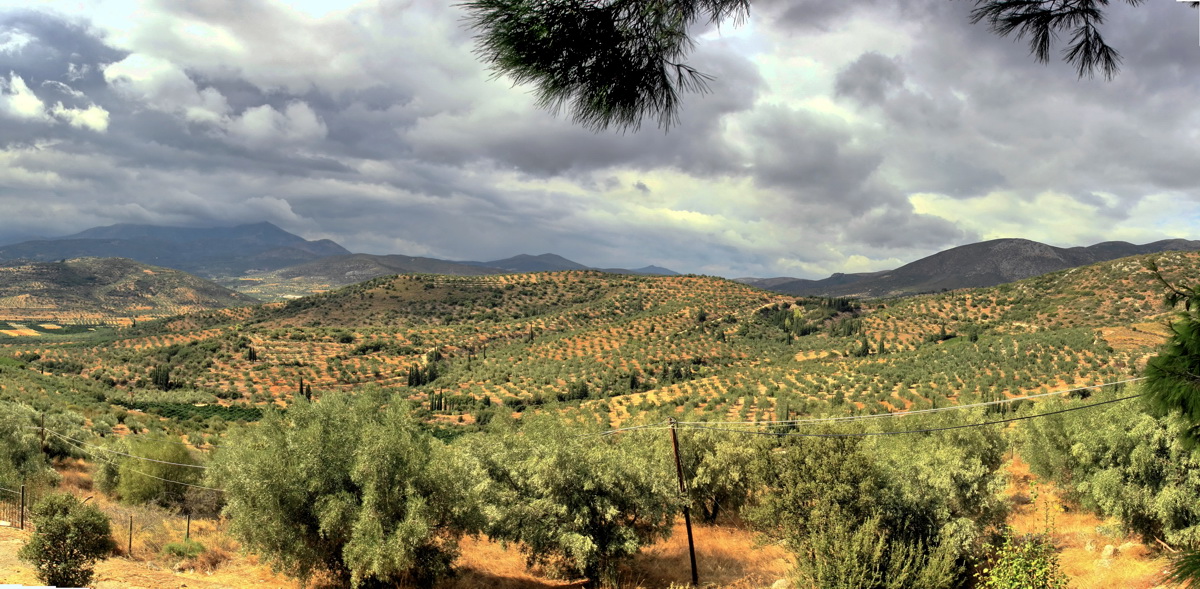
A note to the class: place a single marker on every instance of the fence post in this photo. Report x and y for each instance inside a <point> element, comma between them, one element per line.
<point>687,518</point>
<point>22,516</point>
<point>129,551</point>
<point>188,534</point>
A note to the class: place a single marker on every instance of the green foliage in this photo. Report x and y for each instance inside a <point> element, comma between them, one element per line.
<point>21,457</point>
<point>1122,462</point>
<point>1023,562</point>
<point>351,485</point>
<point>590,502</point>
<point>719,471</point>
<point>184,411</point>
<point>609,63</point>
<point>872,514</point>
<point>184,549</point>
<point>71,537</point>
<point>160,377</point>
<point>1171,383</point>
<point>147,481</point>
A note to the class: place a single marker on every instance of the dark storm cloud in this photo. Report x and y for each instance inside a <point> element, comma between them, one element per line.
<point>59,42</point>
<point>812,155</point>
<point>869,78</point>
<point>382,131</point>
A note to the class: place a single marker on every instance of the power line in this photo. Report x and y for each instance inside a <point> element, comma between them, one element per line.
<point>65,437</point>
<point>148,474</point>
<point>696,425</point>
<point>918,411</point>
<point>143,473</point>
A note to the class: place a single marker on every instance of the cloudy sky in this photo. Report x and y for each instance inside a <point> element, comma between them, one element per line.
<point>837,136</point>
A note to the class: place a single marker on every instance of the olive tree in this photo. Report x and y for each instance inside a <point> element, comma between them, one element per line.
<point>352,486</point>
<point>584,501</point>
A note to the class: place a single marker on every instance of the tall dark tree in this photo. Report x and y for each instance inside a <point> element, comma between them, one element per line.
<point>1173,384</point>
<point>1173,376</point>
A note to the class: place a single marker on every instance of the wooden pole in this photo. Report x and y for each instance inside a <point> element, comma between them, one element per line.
<point>188,534</point>
<point>129,551</point>
<point>22,516</point>
<point>687,518</point>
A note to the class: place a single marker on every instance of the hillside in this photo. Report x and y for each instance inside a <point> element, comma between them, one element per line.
<point>617,344</point>
<point>976,265</point>
<point>205,251</point>
<point>336,271</point>
<point>105,290</point>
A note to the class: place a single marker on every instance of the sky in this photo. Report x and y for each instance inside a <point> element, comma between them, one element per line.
<point>836,136</point>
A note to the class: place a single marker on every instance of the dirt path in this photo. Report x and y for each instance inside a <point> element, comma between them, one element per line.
<point>1092,552</point>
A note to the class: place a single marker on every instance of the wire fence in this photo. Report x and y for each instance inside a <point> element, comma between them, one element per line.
<point>14,508</point>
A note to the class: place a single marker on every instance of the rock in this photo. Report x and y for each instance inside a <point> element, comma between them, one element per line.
<point>781,584</point>
<point>1109,551</point>
<point>1090,546</point>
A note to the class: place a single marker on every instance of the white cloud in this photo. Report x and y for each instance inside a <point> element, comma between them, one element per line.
<point>93,117</point>
<point>163,86</point>
<point>13,41</point>
<point>263,125</point>
<point>18,101</point>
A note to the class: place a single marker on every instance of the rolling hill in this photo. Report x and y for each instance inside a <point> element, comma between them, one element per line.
<point>619,344</point>
<point>105,289</point>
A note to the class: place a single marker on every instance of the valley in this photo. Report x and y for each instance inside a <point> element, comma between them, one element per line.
<point>472,357</point>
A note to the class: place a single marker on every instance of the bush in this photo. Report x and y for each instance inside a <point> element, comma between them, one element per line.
<point>70,538</point>
<point>1023,562</point>
<point>187,549</point>
<point>142,481</point>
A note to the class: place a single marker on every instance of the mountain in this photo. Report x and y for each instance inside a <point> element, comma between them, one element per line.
<point>221,251</point>
<point>526,263</point>
<point>101,288</point>
<point>336,271</point>
<point>984,264</point>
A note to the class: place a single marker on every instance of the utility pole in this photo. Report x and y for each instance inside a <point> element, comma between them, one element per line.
<point>687,517</point>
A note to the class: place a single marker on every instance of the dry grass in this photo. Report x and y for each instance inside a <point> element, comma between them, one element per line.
<point>1081,537</point>
<point>726,557</point>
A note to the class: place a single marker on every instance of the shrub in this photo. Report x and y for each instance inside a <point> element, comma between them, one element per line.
<point>146,481</point>
<point>1023,562</point>
<point>186,549</point>
<point>70,538</point>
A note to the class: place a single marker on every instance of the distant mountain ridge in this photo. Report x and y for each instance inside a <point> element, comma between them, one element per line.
<point>207,252</point>
<point>976,265</point>
<point>252,255</point>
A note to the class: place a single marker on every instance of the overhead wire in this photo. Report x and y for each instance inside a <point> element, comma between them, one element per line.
<point>145,474</point>
<point>65,437</point>
<point>696,425</point>
<point>918,411</point>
